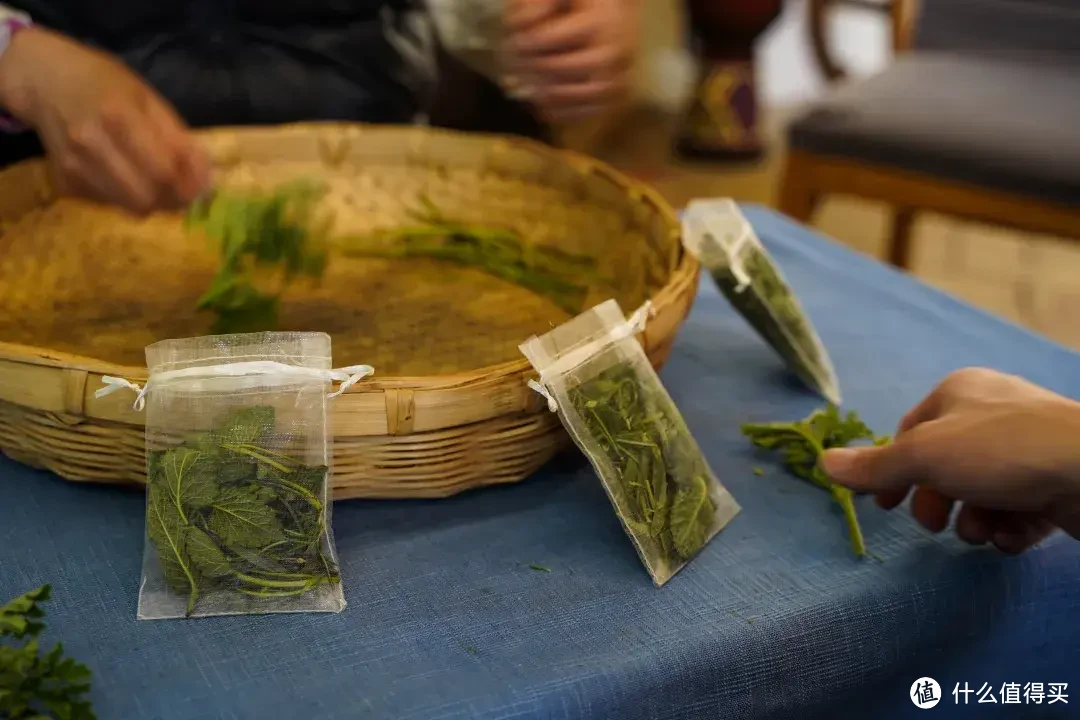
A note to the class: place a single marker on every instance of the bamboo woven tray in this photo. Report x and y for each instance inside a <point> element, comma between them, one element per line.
<point>84,289</point>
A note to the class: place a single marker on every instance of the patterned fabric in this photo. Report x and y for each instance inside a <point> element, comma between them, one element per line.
<point>775,619</point>
<point>723,112</point>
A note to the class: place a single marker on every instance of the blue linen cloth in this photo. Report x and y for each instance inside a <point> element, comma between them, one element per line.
<point>775,619</point>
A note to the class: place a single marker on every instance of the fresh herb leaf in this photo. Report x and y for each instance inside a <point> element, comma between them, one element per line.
<point>801,445</point>
<point>258,230</point>
<point>540,568</point>
<point>35,686</point>
<point>244,517</point>
<point>562,277</point>
<point>228,514</point>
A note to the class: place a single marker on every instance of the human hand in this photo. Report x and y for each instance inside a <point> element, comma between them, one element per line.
<point>1004,448</point>
<point>574,57</point>
<point>107,134</point>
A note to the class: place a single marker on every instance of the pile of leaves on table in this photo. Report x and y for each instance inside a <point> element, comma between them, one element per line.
<point>33,684</point>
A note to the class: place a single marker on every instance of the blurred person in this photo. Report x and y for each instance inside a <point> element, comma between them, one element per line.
<point>1002,449</point>
<point>109,91</point>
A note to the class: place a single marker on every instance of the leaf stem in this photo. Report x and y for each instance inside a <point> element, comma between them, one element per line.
<point>257,453</point>
<point>846,499</point>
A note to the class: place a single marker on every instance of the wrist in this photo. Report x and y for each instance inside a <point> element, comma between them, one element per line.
<point>16,90</point>
<point>1065,509</point>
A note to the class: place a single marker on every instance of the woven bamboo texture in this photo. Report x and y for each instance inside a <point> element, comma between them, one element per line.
<point>83,289</point>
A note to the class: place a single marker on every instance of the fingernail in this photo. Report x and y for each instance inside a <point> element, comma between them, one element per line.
<point>837,463</point>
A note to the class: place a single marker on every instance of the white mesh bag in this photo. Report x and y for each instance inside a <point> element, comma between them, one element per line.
<point>238,475</point>
<point>596,375</point>
<point>720,237</point>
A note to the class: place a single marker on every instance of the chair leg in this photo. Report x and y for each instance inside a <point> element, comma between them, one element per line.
<point>903,222</point>
<point>798,199</point>
<point>818,16</point>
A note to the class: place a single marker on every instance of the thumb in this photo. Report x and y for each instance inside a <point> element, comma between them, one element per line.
<point>872,469</point>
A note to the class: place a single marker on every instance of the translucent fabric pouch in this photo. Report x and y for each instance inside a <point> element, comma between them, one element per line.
<point>596,375</point>
<point>474,32</point>
<point>723,240</point>
<point>238,475</point>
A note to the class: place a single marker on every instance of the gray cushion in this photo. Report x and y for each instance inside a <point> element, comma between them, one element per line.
<point>1000,124</point>
<point>1000,27</point>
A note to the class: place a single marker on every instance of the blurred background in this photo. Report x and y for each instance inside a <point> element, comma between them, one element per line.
<point>1030,278</point>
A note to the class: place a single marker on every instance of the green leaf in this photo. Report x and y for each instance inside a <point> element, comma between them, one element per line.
<point>243,517</point>
<point>189,481</point>
<point>311,478</point>
<point>802,443</point>
<point>246,426</point>
<point>692,515</point>
<point>34,685</point>
<point>167,529</point>
<point>206,557</point>
<point>21,617</point>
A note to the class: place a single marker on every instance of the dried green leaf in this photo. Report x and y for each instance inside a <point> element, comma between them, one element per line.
<point>205,556</point>
<point>242,516</point>
<point>246,426</point>
<point>167,528</point>
<point>187,482</point>
<point>691,517</point>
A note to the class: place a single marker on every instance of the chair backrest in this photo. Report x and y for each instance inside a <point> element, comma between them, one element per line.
<point>1001,27</point>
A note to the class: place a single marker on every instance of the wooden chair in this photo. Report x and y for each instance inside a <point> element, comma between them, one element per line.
<point>975,119</point>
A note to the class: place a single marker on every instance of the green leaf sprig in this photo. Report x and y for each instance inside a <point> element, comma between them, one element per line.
<point>258,230</point>
<point>562,277</point>
<point>802,443</point>
<point>35,686</point>
<point>661,478</point>
<point>227,514</point>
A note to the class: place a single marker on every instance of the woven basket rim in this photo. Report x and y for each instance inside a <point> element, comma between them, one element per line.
<point>685,272</point>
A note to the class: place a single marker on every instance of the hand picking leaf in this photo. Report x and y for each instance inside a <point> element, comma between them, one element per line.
<point>802,443</point>
<point>35,686</point>
<point>227,514</point>
<point>276,230</point>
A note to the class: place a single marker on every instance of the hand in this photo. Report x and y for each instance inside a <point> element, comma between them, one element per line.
<point>574,57</point>
<point>107,134</point>
<point>1004,448</point>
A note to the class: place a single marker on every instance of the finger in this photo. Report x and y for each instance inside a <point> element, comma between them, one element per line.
<point>931,509</point>
<point>1018,538</point>
<point>195,172</point>
<point>580,112</point>
<point>975,525</point>
<point>191,165</point>
<point>521,15</point>
<point>892,467</point>
<point>576,65</point>
<point>928,409</point>
<point>570,96</point>
<point>106,173</point>
<point>191,162</point>
<point>571,31</point>
<point>147,150</point>
<point>889,499</point>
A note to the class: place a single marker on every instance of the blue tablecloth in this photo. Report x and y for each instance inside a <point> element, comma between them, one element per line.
<point>775,619</point>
